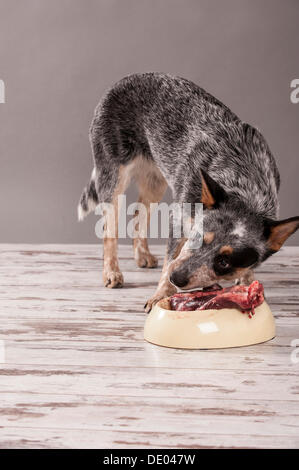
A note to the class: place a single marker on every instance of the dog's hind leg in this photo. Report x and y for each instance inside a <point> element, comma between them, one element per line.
<point>151,185</point>
<point>109,179</point>
<point>112,276</point>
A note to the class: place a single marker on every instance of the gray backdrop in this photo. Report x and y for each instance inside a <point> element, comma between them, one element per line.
<point>57,57</point>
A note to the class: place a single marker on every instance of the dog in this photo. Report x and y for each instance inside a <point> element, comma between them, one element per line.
<point>167,131</point>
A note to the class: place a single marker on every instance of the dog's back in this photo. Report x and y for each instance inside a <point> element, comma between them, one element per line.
<point>183,129</point>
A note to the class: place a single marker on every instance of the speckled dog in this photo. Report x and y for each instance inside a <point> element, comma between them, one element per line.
<point>165,130</point>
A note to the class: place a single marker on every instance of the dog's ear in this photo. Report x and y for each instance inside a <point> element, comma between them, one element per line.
<point>212,194</point>
<point>277,232</point>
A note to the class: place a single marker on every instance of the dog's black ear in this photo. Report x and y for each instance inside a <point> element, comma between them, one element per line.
<point>278,231</point>
<point>212,194</point>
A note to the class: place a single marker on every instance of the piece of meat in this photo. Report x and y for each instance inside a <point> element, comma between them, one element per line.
<point>244,298</point>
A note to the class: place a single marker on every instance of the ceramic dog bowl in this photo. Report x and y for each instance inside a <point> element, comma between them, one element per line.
<point>208,329</point>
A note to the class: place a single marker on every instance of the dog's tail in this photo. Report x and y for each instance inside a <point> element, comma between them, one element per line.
<point>89,198</point>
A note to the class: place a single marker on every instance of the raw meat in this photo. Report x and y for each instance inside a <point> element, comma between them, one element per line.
<point>244,298</point>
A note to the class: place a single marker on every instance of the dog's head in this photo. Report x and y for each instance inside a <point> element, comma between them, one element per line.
<point>235,240</point>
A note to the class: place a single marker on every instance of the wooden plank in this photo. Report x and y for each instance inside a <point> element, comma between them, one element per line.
<point>151,414</point>
<point>55,438</point>
<point>144,354</point>
<point>105,327</point>
<point>150,382</point>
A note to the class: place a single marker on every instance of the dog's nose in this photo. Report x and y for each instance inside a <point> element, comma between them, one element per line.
<point>178,279</point>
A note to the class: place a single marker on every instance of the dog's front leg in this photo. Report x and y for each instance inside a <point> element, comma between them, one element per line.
<point>165,288</point>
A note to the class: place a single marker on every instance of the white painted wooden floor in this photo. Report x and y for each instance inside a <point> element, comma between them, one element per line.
<point>77,372</point>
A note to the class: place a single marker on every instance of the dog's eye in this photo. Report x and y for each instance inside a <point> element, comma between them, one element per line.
<point>222,265</point>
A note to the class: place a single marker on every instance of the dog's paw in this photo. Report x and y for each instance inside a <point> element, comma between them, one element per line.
<point>151,302</point>
<point>146,260</point>
<point>155,299</point>
<point>113,279</point>
<point>165,290</point>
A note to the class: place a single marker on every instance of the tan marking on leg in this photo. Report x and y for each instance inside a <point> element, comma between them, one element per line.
<point>112,276</point>
<point>152,186</point>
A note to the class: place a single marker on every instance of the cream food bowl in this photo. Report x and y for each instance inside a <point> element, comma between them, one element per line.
<point>208,329</point>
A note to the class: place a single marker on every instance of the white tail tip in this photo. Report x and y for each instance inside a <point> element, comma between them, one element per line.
<point>81,213</point>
